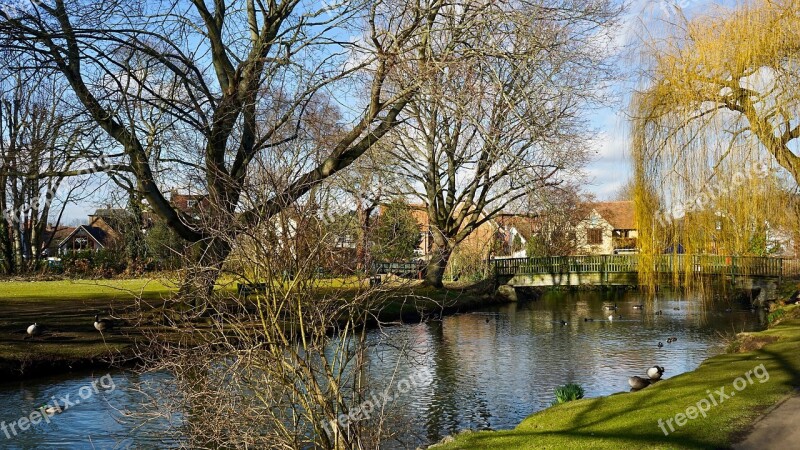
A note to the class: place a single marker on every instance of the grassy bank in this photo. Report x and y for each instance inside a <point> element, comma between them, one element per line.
<point>67,309</point>
<point>631,420</point>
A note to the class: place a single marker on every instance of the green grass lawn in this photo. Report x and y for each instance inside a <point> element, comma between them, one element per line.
<point>67,309</point>
<point>630,420</point>
<point>83,290</point>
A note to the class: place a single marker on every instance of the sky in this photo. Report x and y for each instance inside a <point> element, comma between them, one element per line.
<point>610,167</point>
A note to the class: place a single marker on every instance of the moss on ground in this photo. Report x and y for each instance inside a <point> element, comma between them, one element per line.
<point>630,420</point>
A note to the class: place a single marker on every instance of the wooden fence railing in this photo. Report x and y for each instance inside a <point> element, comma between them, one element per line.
<point>398,268</point>
<point>699,264</point>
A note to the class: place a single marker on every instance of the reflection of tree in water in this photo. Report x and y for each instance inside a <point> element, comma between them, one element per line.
<point>458,402</point>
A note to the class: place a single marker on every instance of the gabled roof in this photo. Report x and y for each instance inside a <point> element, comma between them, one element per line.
<point>621,215</point>
<point>56,236</point>
<point>95,233</point>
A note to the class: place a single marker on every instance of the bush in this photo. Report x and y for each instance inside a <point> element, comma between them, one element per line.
<point>775,316</point>
<point>103,263</point>
<point>467,264</point>
<point>397,233</point>
<point>165,249</point>
<point>568,393</point>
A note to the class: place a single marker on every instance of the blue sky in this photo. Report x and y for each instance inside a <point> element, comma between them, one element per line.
<point>610,168</point>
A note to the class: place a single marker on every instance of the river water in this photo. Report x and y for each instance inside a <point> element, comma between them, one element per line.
<point>487,369</point>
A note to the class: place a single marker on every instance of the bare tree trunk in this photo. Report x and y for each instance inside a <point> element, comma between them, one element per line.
<point>6,260</point>
<point>198,284</point>
<point>16,234</point>
<point>440,256</point>
<point>362,244</point>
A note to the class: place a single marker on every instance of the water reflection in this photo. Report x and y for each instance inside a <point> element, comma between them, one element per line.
<point>91,419</point>
<point>493,368</point>
<point>487,369</point>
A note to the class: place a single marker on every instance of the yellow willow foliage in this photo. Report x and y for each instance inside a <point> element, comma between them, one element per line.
<point>713,134</point>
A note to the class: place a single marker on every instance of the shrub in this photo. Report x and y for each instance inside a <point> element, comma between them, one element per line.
<point>103,263</point>
<point>568,393</point>
<point>775,316</point>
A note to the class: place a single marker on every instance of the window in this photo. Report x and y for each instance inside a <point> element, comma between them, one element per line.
<point>191,203</point>
<point>80,243</point>
<point>594,236</point>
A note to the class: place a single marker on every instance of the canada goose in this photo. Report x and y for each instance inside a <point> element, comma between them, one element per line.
<point>655,372</point>
<point>35,330</point>
<point>659,312</point>
<point>588,319</point>
<point>51,410</point>
<point>676,308</point>
<point>669,340</point>
<point>638,382</point>
<point>563,322</point>
<point>660,344</point>
<point>611,308</point>
<point>638,306</point>
<point>674,339</point>
<point>102,324</point>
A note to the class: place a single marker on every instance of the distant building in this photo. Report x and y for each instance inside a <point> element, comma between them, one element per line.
<point>52,238</point>
<point>188,202</point>
<point>479,242</point>
<point>514,232</point>
<point>84,238</point>
<point>103,231</point>
<point>609,228</point>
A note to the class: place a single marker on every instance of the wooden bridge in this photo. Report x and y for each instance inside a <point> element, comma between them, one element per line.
<point>623,270</point>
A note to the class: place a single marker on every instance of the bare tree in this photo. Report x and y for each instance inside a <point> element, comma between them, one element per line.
<point>556,211</point>
<point>282,366</point>
<point>626,192</point>
<point>503,114</point>
<point>41,145</point>
<point>231,82</point>
<point>367,185</point>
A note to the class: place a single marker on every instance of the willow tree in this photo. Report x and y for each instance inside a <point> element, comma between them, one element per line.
<point>716,129</point>
<point>229,82</point>
<point>484,132</point>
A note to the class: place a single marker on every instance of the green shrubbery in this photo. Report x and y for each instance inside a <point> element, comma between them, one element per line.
<point>568,393</point>
<point>94,263</point>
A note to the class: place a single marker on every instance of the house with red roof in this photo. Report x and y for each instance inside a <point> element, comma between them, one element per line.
<point>609,228</point>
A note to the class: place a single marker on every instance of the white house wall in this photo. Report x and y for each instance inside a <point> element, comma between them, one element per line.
<point>594,220</point>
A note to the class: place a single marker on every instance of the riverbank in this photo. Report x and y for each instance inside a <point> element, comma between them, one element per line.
<point>761,369</point>
<point>66,309</point>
